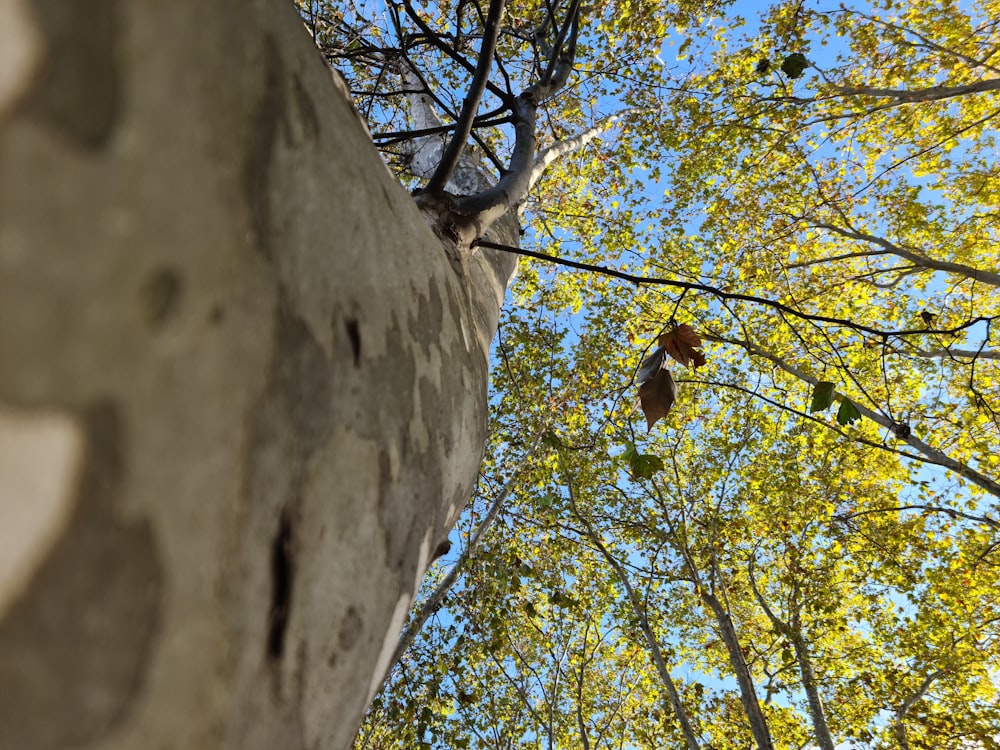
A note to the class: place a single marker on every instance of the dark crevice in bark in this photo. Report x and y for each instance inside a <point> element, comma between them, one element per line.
<point>282,574</point>
<point>354,335</point>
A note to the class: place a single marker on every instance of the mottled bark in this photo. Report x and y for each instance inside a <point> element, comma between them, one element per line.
<point>253,375</point>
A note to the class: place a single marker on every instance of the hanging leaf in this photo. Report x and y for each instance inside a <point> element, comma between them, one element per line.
<point>656,396</point>
<point>642,465</point>
<point>763,65</point>
<point>848,413</point>
<point>794,65</point>
<point>681,344</point>
<point>650,365</point>
<point>822,396</point>
<point>646,465</point>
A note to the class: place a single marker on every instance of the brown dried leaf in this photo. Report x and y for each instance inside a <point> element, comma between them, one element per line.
<point>681,344</point>
<point>656,396</point>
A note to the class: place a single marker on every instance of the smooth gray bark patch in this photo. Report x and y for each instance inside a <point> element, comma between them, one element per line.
<point>268,119</point>
<point>292,420</point>
<point>308,115</point>
<point>86,626</point>
<point>80,91</point>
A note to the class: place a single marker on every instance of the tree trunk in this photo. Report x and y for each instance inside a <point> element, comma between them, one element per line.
<point>824,738</point>
<point>748,694</point>
<point>242,385</point>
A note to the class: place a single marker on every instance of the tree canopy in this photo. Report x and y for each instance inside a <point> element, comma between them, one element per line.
<point>744,471</point>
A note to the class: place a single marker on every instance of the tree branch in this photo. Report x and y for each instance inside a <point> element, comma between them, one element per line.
<point>692,286</point>
<point>987,277</point>
<point>435,39</point>
<point>899,727</point>
<point>947,353</point>
<point>489,205</point>
<point>930,94</point>
<point>673,696</point>
<point>452,153</point>
<point>566,146</point>
<point>433,602</point>
<point>933,454</point>
<point>808,675</point>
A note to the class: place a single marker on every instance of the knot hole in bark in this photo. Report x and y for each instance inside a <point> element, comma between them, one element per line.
<point>282,573</point>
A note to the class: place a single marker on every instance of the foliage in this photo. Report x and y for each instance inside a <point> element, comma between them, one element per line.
<point>804,549</point>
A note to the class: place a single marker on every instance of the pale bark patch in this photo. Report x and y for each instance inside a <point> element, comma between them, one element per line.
<point>40,457</point>
<point>389,644</point>
<point>77,644</point>
<point>20,50</point>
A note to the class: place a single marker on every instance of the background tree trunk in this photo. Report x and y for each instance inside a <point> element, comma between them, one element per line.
<point>242,387</point>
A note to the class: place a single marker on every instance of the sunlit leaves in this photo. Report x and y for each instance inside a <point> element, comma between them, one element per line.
<point>807,158</point>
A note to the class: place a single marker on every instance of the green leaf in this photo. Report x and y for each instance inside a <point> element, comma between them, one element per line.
<point>794,65</point>
<point>822,396</point>
<point>547,500</point>
<point>642,465</point>
<point>630,451</point>
<point>552,440</point>
<point>848,413</point>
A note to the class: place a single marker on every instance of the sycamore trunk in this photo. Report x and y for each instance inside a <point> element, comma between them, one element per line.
<point>242,384</point>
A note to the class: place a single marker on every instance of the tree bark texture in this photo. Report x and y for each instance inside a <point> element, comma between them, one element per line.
<point>242,384</point>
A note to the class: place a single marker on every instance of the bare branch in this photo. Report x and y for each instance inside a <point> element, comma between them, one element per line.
<point>673,696</point>
<point>809,684</point>
<point>489,205</point>
<point>899,728</point>
<point>437,41</point>
<point>987,277</point>
<point>723,295</point>
<point>931,94</point>
<point>947,353</point>
<point>832,258</point>
<point>566,146</point>
<point>452,153</point>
